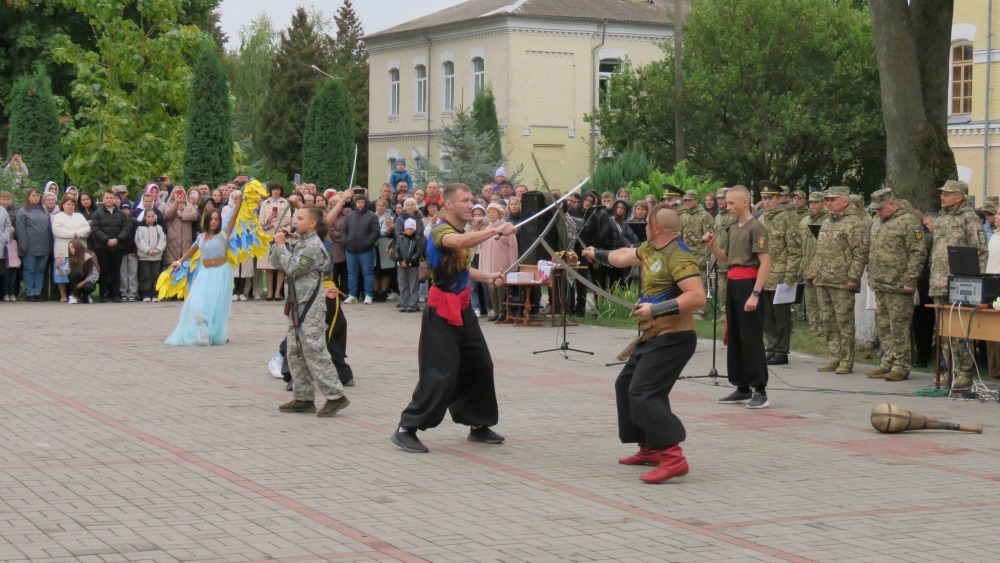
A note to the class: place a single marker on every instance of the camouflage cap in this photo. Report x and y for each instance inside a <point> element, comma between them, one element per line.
<point>769,188</point>
<point>816,196</point>
<point>955,186</point>
<point>991,204</point>
<point>784,190</point>
<point>880,198</point>
<point>857,200</point>
<point>721,192</point>
<point>691,194</point>
<point>799,193</point>
<point>837,191</point>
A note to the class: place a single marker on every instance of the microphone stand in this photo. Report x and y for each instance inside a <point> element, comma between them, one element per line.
<point>713,289</point>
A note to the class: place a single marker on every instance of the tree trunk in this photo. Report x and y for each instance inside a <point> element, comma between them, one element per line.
<point>918,158</point>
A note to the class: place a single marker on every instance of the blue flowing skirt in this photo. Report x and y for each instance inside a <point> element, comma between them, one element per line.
<point>205,316</point>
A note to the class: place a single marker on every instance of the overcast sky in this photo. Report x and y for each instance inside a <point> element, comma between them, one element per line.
<point>375,15</point>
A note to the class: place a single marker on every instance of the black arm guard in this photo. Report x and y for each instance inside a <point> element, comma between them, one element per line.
<point>664,308</point>
<point>602,257</point>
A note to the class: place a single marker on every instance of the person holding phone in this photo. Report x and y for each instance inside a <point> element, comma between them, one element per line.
<point>273,215</point>
<point>17,167</point>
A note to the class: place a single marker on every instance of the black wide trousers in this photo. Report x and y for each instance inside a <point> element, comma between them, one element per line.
<point>746,360</point>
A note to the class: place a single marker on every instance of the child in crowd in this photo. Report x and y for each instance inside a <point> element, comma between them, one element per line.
<point>407,254</point>
<point>400,174</point>
<point>129,276</point>
<point>150,240</point>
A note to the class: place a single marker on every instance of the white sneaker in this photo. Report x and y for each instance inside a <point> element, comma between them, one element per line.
<point>421,299</point>
<point>368,299</point>
<point>90,299</point>
<point>155,299</point>
<point>274,366</point>
<point>492,313</point>
<point>71,300</point>
<point>476,311</point>
<point>236,297</point>
<point>242,297</point>
<point>393,296</point>
<point>350,299</point>
<point>146,300</point>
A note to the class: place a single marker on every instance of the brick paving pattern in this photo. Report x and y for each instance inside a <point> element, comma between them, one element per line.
<point>116,447</point>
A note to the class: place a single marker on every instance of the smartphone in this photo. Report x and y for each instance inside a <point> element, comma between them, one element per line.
<point>297,180</point>
<point>360,190</point>
<point>274,211</point>
<point>160,179</point>
<point>243,178</point>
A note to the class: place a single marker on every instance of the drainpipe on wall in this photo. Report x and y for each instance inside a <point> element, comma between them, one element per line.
<point>429,88</point>
<point>593,96</point>
<point>986,128</point>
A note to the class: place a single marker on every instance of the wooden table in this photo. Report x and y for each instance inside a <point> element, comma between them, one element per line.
<point>524,319</point>
<point>960,322</point>
<point>557,285</point>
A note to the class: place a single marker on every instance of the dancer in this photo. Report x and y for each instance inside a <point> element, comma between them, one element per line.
<point>304,262</point>
<point>456,370</point>
<point>204,318</point>
<point>671,291</point>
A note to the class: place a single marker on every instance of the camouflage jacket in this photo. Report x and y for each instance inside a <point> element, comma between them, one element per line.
<point>783,244</point>
<point>304,262</point>
<point>841,251</point>
<point>808,241</point>
<point>694,224</point>
<point>721,230</point>
<point>897,252</point>
<point>959,226</point>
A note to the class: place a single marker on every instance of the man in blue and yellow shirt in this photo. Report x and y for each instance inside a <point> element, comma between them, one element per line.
<point>672,290</point>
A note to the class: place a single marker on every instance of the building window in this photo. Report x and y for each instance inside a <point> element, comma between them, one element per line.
<point>421,89</point>
<point>961,79</point>
<point>394,92</point>
<point>449,86</point>
<point>446,164</point>
<point>607,69</point>
<point>478,76</point>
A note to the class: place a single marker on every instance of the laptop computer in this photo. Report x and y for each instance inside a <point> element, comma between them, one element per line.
<point>963,260</point>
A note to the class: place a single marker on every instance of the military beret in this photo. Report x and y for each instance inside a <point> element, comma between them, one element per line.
<point>691,194</point>
<point>991,204</point>
<point>769,188</point>
<point>799,193</point>
<point>880,198</point>
<point>816,196</point>
<point>672,190</point>
<point>837,191</point>
<point>955,186</point>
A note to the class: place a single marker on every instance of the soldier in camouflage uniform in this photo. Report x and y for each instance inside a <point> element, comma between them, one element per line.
<point>957,225</point>
<point>835,271</point>
<point>304,262</point>
<point>800,201</point>
<point>896,257</point>
<point>781,221</point>
<point>695,222</point>
<point>723,219</point>
<point>816,215</point>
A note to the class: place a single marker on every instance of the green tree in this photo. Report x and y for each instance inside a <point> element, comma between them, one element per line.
<point>248,67</point>
<point>34,128</point>
<point>131,91</point>
<point>208,143</point>
<point>484,112</point>
<point>469,160</point>
<point>292,82</point>
<point>350,63</point>
<point>328,143</point>
<point>793,97</point>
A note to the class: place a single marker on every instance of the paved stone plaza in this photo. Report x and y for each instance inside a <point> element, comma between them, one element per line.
<point>116,447</point>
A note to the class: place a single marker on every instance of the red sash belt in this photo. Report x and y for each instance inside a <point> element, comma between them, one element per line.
<point>742,273</point>
<point>449,305</point>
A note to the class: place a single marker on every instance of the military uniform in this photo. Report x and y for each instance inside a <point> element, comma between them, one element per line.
<point>957,226</point>
<point>841,257</point>
<point>782,224</point>
<point>896,257</point>
<point>808,245</point>
<point>304,262</point>
<point>721,230</point>
<point>694,224</point>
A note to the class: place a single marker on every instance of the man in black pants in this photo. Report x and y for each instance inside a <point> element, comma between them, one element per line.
<point>749,264</point>
<point>672,289</point>
<point>110,228</point>
<point>456,370</point>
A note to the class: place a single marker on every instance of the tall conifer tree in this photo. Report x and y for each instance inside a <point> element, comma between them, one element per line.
<point>484,112</point>
<point>351,64</point>
<point>208,142</point>
<point>328,145</point>
<point>34,128</point>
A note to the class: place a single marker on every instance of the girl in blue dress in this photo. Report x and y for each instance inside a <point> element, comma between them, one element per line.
<point>205,316</point>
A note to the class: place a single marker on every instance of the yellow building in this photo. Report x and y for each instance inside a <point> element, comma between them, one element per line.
<point>973,58</point>
<point>547,62</point>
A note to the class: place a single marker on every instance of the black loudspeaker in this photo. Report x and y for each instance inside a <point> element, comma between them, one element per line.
<point>532,202</point>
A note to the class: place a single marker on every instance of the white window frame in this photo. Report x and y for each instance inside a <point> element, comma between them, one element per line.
<point>448,99</point>
<point>478,76</point>
<point>421,85</point>
<point>394,92</point>
<point>604,76</point>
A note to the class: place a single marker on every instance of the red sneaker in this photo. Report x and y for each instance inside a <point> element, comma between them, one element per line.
<point>672,464</point>
<point>644,456</point>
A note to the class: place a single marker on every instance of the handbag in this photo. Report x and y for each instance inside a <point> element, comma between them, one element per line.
<point>13,260</point>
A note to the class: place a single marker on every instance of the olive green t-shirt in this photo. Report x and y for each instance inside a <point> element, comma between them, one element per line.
<point>745,243</point>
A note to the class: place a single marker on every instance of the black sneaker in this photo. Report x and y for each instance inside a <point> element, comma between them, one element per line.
<point>485,435</point>
<point>408,441</point>
<point>758,401</point>
<point>736,398</point>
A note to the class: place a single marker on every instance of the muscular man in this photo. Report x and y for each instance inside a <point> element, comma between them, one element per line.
<point>671,290</point>
<point>749,263</point>
<point>456,370</point>
<point>304,263</point>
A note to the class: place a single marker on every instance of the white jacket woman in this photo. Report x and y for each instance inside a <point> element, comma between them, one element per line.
<point>66,226</point>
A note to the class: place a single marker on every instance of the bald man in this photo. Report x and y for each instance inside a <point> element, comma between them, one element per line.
<point>745,255</point>
<point>671,291</point>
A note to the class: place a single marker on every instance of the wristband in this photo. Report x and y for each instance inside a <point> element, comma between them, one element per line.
<point>602,257</point>
<point>664,308</point>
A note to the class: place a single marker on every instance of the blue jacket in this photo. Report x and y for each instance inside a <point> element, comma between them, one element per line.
<point>396,177</point>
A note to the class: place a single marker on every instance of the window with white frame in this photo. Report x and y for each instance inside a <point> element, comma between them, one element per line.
<point>421,71</point>
<point>607,69</point>
<point>449,85</point>
<point>478,76</point>
<point>446,163</point>
<point>961,79</point>
<point>394,92</point>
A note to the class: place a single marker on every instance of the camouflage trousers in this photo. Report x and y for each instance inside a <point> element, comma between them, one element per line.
<point>813,313</point>
<point>720,294</point>
<point>309,360</point>
<point>956,350</point>
<point>893,317</point>
<point>837,308</point>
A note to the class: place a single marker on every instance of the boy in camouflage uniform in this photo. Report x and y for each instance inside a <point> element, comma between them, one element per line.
<point>304,262</point>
